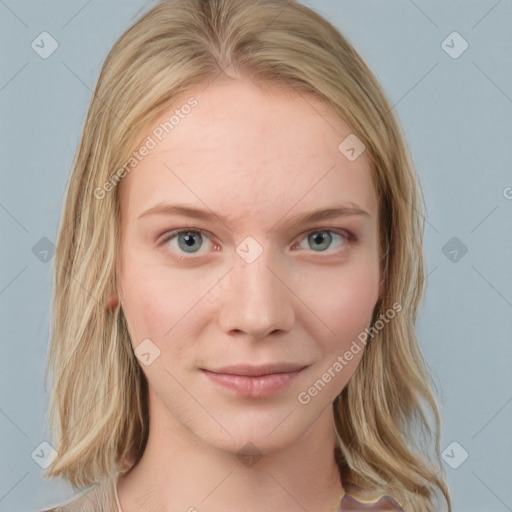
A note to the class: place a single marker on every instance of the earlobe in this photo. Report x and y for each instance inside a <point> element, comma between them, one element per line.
<point>112,301</point>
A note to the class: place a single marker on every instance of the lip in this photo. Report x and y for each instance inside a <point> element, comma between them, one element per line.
<point>255,381</point>
<point>247,370</point>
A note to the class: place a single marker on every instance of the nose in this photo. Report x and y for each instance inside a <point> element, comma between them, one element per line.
<point>255,300</point>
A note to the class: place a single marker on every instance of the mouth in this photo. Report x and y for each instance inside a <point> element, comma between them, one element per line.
<point>254,381</point>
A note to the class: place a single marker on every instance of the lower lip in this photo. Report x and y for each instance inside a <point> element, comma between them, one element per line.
<point>254,387</point>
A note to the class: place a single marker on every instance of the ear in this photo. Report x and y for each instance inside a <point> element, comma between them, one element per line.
<point>129,459</point>
<point>112,301</point>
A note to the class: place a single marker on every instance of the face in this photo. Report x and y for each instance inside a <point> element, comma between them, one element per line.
<point>240,303</point>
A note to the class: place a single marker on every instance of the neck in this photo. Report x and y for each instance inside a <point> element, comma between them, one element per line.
<point>179,471</point>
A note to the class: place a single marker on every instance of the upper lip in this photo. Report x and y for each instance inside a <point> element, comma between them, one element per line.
<point>256,371</point>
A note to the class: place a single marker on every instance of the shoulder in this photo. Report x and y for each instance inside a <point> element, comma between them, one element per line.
<point>99,497</point>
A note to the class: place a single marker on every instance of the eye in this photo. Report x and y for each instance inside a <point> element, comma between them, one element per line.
<point>321,239</point>
<point>191,241</point>
<point>187,240</point>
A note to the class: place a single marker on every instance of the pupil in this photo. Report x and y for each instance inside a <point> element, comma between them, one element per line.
<point>321,238</point>
<point>187,241</point>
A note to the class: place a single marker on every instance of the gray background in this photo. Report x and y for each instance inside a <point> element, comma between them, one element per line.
<point>456,113</point>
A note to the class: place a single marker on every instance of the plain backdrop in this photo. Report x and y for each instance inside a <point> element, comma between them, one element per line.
<point>455,105</point>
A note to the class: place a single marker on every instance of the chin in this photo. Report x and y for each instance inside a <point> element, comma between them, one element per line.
<point>259,429</point>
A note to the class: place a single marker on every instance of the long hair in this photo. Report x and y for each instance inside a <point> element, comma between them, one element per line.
<point>386,418</point>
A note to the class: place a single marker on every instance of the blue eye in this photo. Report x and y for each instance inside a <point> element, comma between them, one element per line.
<point>189,241</point>
<point>321,239</point>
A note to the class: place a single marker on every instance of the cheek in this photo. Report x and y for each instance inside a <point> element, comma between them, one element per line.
<point>162,305</point>
<point>345,306</point>
<point>343,300</point>
<point>150,305</point>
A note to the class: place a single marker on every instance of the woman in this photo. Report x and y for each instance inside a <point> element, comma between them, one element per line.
<point>238,270</point>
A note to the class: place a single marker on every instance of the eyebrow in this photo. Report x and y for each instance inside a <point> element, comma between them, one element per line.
<point>315,215</point>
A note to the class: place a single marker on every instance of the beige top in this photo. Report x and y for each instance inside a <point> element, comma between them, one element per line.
<point>103,498</point>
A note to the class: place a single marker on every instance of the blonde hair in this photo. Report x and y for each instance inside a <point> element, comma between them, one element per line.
<point>98,398</point>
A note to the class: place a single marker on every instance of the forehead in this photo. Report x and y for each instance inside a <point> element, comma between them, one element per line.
<point>249,154</point>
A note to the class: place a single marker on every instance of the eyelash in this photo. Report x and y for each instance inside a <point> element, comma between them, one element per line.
<point>169,235</point>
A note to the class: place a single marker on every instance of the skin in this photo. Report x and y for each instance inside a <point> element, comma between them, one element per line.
<point>257,158</point>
